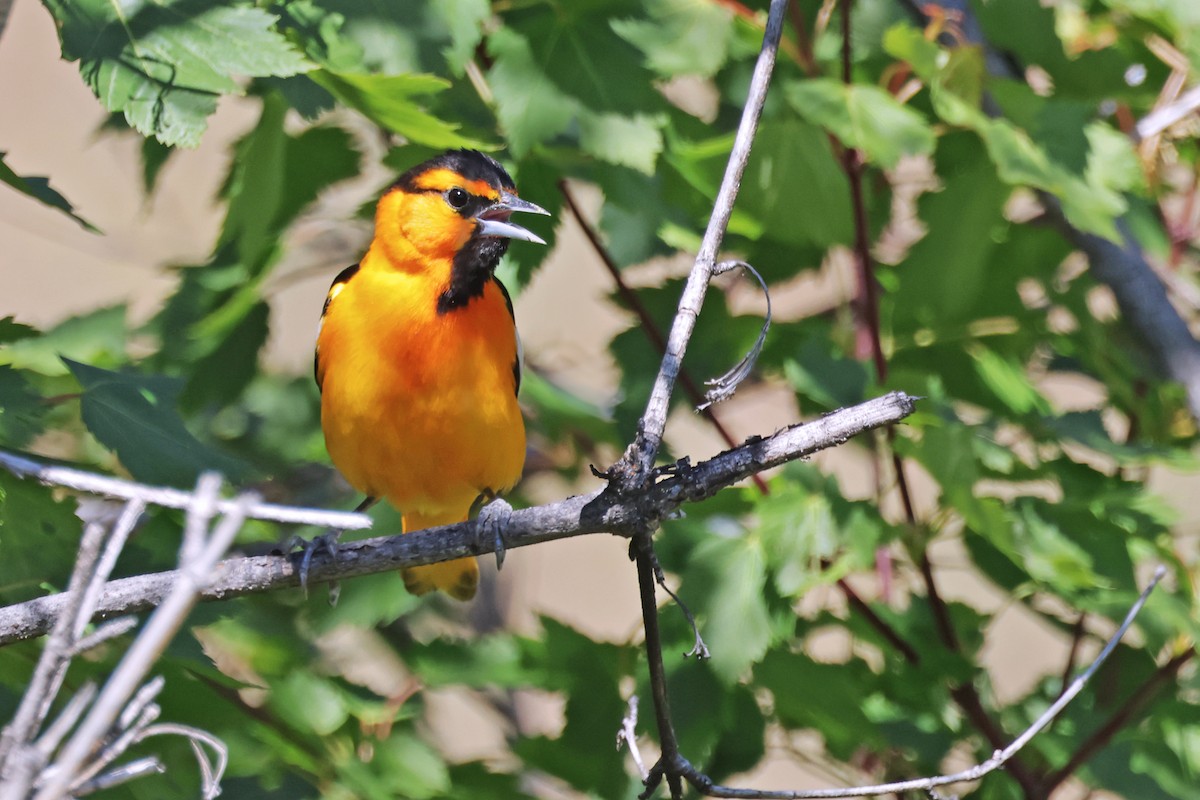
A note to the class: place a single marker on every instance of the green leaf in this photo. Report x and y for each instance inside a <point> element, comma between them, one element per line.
<point>136,417</point>
<point>165,64</point>
<point>681,37</point>
<point>465,20</point>
<point>491,661</point>
<point>39,535</point>
<point>387,100</point>
<point>794,187</point>
<point>588,674</point>
<point>39,189</point>
<point>97,336</point>
<point>308,703</point>
<point>828,698</point>
<point>811,535</point>
<point>829,380</point>
<point>863,117</point>
<point>1009,381</point>
<point>530,108</point>
<point>221,375</point>
<point>20,409</point>
<point>627,141</point>
<point>727,577</point>
<point>944,275</point>
<point>13,331</point>
<point>575,46</point>
<point>412,767</point>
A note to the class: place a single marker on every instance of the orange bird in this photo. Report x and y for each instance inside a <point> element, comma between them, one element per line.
<point>418,360</point>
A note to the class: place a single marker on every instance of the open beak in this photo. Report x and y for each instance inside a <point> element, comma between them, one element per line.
<point>493,220</point>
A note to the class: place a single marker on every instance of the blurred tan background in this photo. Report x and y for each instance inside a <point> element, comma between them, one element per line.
<point>50,268</point>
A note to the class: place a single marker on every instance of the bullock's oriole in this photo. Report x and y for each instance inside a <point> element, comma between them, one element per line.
<point>417,355</point>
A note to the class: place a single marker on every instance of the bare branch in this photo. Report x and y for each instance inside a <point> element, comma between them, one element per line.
<point>192,577</point>
<point>166,497</point>
<point>122,774</point>
<point>599,511</point>
<point>210,773</point>
<point>638,460</point>
<point>109,630</point>
<point>18,763</point>
<point>1162,118</point>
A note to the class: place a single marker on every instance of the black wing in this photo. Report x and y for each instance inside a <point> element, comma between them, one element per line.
<point>338,283</point>
<point>517,360</point>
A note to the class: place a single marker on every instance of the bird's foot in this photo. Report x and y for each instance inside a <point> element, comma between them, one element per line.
<point>491,525</point>
<point>329,543</point>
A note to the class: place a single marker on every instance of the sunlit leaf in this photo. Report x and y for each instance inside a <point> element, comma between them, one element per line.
<point>165,64</point>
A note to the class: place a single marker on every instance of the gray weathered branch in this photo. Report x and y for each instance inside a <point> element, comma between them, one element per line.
<point>600,511</point>
<point>638,459</point>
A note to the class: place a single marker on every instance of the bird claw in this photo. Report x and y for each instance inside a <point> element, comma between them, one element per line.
<point>327,542</point>
<point>491,525</point>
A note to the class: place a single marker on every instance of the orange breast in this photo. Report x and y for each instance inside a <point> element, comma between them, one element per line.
<point>420,407</point>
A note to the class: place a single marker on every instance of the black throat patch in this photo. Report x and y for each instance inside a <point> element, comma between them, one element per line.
<point>471,270</point>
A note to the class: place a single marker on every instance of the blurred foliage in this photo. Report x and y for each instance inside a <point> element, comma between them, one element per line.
<point>985,314</point>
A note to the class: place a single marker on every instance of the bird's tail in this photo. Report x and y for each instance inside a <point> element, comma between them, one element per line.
<point>458,578</point>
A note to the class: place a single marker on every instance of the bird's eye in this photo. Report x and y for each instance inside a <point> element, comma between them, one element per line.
<point>457,198</point>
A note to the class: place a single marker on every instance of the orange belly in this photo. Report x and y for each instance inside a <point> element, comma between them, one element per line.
<point>418,407</point>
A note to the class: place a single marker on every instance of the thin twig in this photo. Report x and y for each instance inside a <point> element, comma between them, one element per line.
<point>149,765</point>
<point>210,772</point>
<point>998,759</point>
<point>17,763</point>
<point>627,735</point>
<point>160,628</point>
<point>1119,719</point>
<point>965,694</point>
<point>62,725</point>
<point>82,481</point>
<point>1162,118</point>
<point>723,386</point>
<point>599,511</point>
<point>109,630</point>
<point>671,764</point>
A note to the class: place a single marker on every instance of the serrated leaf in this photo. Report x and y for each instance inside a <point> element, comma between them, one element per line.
<point>165,64</point>
<point>574,45</point>
<point>730,576</point>
<point>530,108</point>
<point>943,276</point>
<point>413,767</point>
<point>387,100</point>
<point>39,189</point>
<point>863,117</point>
<point>682,37</point>
<point>627,141</point>
<point>136,417</point>
<point>465,20</point>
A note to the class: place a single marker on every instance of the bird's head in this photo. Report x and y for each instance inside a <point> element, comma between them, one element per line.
<point>454,207</point>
